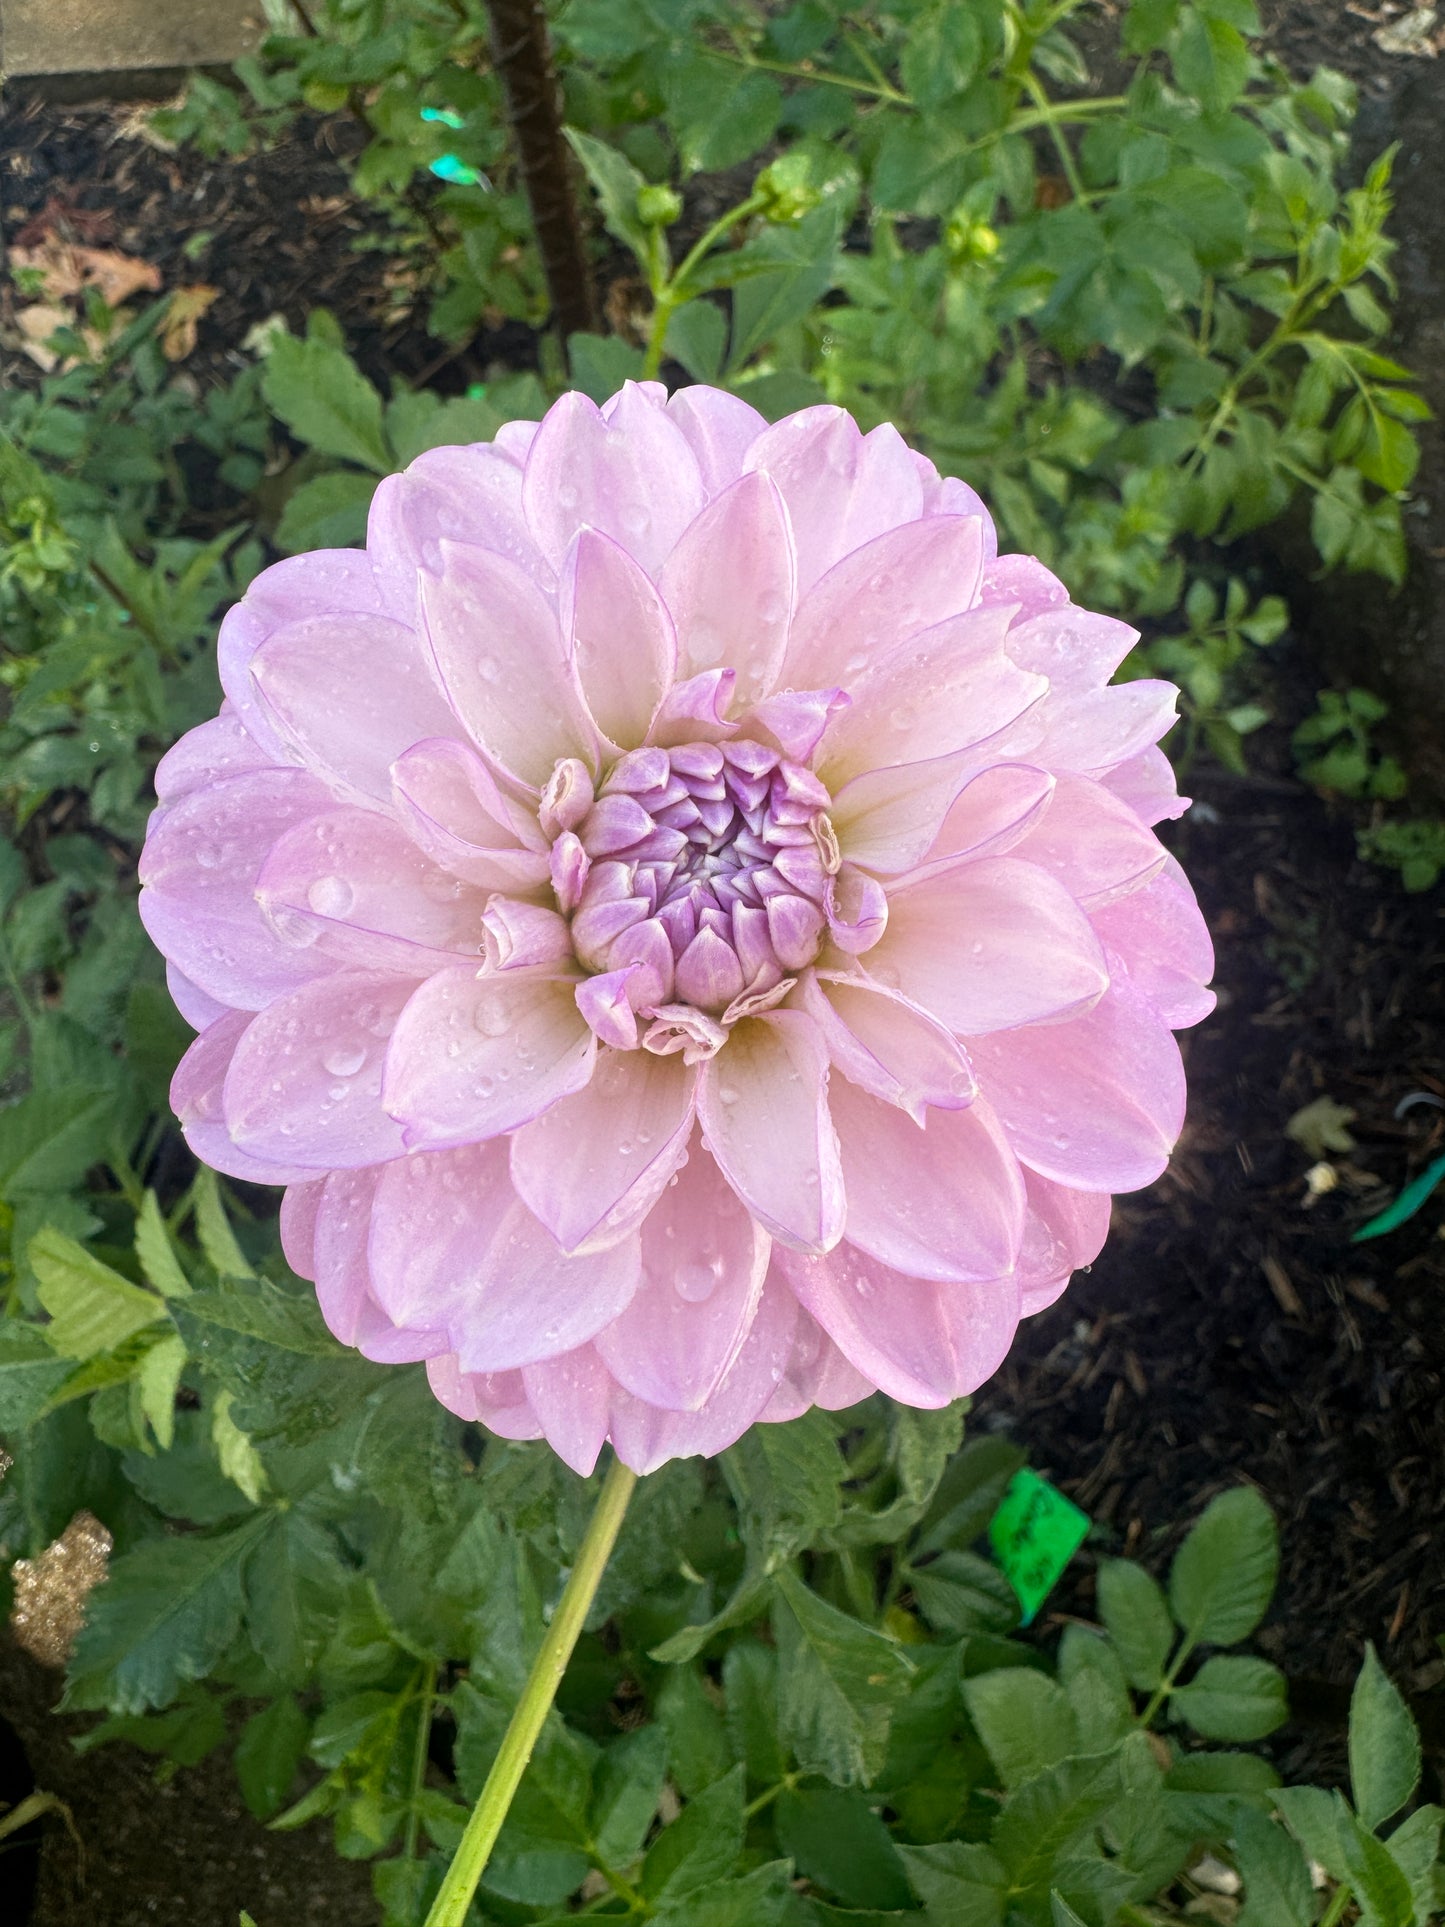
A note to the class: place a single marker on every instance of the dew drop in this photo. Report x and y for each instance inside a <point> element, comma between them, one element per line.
<point>490,1017</point>
<point>726,1094</point>
<point>485,1086</point>
<point>337,1092</point>
<point>344,1060</point>
<point>902,717</point>
<point>331,896</point>
<point>293,927</point>
<point>488,668</point>
<point>771,609</point>
<point>440,887</point>
<point>696,1283</point>
<point>209,857</point>
<point>567,495</point>
<point>705,644</point>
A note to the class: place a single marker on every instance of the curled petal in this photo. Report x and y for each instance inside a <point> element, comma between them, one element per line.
<point>886,1045</point>
<point>607,1009</point>
<point>594,1165</point>
<point>1063,1231</point>
<point>1095,1103</point>
<point>305,1083</point>
<point>888,819</point>
<point>450,805</point>
<point>695,711</point>
<point>197,1098</point>
<point>497,1400</point>
<point>985,946</point>
<point>473,1057</point>
<point>796,719</point>
<point>703,1262</point>
<point>857,907</point>
<point>620,635</point>
<point>522,935</point>
<point>501,658</point>
<point>191,1001</point>
<point>943,1201</point>
<point>922,1343</point>
<point>763,1106</point>
<point>297,1226</point>
<point>350,693</point>
<point>1147,784</point>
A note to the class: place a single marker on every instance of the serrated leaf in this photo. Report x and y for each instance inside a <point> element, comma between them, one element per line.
<point>1277,1889</point>
<point>51,1138</point>
<point>166,1614</point>
<point>1136,1616</point>
<point>92,1308</point>
<point>236,1455</point>
<point>700,1846</point>
<point>326,401</point>
<point>156,1253</point>
<point>960,1884</point>
<point>763,1898</point>
<point>1223,1576</point>
<point>213,1229</point>
<point>1384,1745</point>
<point>628,1786</point>
<point>271,1748</point>
<point>1211,61</point>
<point>697,1740</point>
<point>30,1373</point>
<point>836,1840</point>
<point>326,512</point>
<point>1024,1720</point>
<point>158,1376</point>
<point>617,184</point>
<point>838,1685</point>
<point>1047,1813</point>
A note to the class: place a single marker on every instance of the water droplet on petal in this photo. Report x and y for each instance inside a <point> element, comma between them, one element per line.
<point>344,1060</point>
<point>488,668</point>
<point>331,896</point>
<point>490,1017</point>
<point>695,1283</point>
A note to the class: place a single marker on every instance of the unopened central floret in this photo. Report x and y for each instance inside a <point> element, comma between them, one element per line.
<point>695,880</point>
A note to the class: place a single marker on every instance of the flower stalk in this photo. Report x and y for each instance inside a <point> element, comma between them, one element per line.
<point>449,1909</point>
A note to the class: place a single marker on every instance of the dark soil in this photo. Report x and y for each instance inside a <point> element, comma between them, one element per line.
<point>1230,1330</point>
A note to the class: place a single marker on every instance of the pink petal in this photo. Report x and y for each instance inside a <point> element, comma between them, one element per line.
<point>1093,732</point>
<point>719,429</point>
<point>196,1099</point>
<point>471,495</point>
<point>350,693</point>
<point>921,1343</point>
<point>208,754</point>
<point>593,1166</point>
<point>195,1006</point>
<point>572,1397</point>
<point>361,888</point>
<point>841,487</point>
<point>529,1301</point>
<point>435,1216</point>
<point>1028,584</point>
<point>951,687</point>
<point>620,634</point>
<point>305,1082</point>
<point>993,813</point>
<point>1163,940</point>
<point>1095,1103</point>
<point>343,1221</point>
<point>1093,843</point>
<point>1146,783</point>
<point>896,586</point>
<point>888,819</point>
<point>795,719</point>
<point>520,935</point>
<point>729,585</point>
<point>500,654</point>
<point>857,907</point>
<point>763,1106</point>
<point>452,807</point>
<point>988,945</point>
<point>473,1057</point>
<point>297,1226</point>
<point>944,1202</point>
<point>606,1007</point>
<point>957,498</point>
<point>703,1262</point>
<point>199,870</point>
<point>695,711</point>
<point>887,1045</point>
<point>1063,1231</point>
<point>817,1372</point>
<point>633,476</point>
<point>1075,648</point>
<point>497,1400</point>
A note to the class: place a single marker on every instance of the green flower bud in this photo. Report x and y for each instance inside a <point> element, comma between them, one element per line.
<point>658,206</point>
<point>969,241</point>
<point>787,192</point>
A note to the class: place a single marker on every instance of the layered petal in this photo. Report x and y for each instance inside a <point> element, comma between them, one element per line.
<point>620,635</point>
<point>453,810</point>
<point>472,1057</point>
<point>197,1098</point>
<point>729,584</point>
<point>841,487</point>
<point>886,1045</point>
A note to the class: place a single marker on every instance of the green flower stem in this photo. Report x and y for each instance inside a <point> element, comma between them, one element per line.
<point>670,293</point>
<point>426,1694</point>
<point>450,1906</point>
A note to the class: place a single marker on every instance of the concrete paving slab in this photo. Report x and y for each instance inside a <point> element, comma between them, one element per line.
<point>40,37</point>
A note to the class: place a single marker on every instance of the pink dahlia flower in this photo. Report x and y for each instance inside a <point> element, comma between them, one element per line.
<point>678,911</point>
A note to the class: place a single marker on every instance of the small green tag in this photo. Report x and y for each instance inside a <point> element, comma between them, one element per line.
<point>1034,1534</point>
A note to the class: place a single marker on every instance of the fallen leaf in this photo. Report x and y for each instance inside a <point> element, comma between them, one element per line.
<point>187,305</point>
<point>1321,1127</point>
<point>66,271</point>
<point>37,324</point>
<point>1413,33</point>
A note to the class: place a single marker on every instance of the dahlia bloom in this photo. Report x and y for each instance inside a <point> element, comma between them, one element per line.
<point>678,911</point>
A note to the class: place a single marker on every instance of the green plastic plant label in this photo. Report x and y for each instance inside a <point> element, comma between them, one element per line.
<point>1034,1534</point>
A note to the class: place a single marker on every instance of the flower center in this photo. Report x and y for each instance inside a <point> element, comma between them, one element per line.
<point>700,872</point>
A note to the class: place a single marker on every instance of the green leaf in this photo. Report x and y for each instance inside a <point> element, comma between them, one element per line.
<point>326,512</point>
<point>1211,61</point>
<point>295,1587</point>
<point>30,1373</point>
<point>51,1138</point>
<point>213,1228</point>
<point>1024,1720</point>
<point>1277,1890</point>
<point>158,1378</point>
<point>600,364</point>
<point>1223,1576</point>
<point>1237,1773</point>
<point>771,300</point>
<point>326,401</point>
<point>1061,1914</point>
<point>697,337</point>
<point>836,1840</point>
<point>167,1613</point>
<point>235,1453</point>
<point>629,1784</point>
<point>1136,1617</point>
<point>1414,1847</point>
<point>838,1685</point>
<point>1384,1745</point>
<point>156,1253</point>
<point>617,184</point>
<point>1233,1698</point>
<point>269,1752</point>
<point>700,1846</point>
<point>763,1898</point>
<point>1048,1812</point>
<point>941,55</point>
<point>697,1740</point>
<point>750,1690</point>
<point>721,117</point>
<point>92,1308</point>
<point>960,1885</point>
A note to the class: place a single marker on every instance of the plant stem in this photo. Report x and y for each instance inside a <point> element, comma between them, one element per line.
<point>522,53</point>
<point>450,1906</point>
<point>1340,1899</point>
<point>426,1696</point>
<point>670,293</point>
